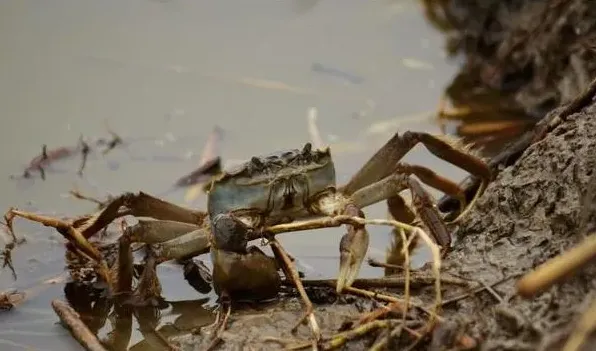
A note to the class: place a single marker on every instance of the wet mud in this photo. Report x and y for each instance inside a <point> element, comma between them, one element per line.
<point>533,211</point>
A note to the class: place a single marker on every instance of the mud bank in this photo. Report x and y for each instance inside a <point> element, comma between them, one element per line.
<point>539,52</point>
<point>533,211</point>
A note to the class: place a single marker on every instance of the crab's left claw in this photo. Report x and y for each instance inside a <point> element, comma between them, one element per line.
<point>352,250</point>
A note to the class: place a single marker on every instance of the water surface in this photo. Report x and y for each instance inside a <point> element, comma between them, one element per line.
<point>163,74</point>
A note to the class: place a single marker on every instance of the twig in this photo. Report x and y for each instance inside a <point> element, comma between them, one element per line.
<point>358,332</point>
<point>85,150</point>
<point>477,290</point>
<point>382,344</point>
<point>558,268</point>
<point>78,329</point>
<point>78,195</point>
<point>291,273</point>
<point>375,263</point>
<point>584,327</point>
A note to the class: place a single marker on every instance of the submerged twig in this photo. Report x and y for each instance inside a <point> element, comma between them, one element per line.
<point>70,318</point>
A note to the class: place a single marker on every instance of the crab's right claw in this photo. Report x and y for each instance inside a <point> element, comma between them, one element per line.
<point>352,249</point>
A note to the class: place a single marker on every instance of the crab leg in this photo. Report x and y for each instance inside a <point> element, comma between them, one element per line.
<point>152,231</point>
<point>190,244</point>
<point>139,205</point>
<point>392,186</point>
<point>382,164</point>
<point>353,245</point>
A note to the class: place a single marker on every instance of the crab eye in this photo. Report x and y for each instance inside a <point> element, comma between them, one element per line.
<point>307,149</point>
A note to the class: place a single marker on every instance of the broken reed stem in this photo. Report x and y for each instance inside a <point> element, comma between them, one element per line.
<point>70,318</point>
<point>406,253</point>
<point>583,329</point>
<point>382,344</point>
<point>341,339</point>
<point>416,280</point>
<point>292,274</point>
<point>436,253</point>
<point>313,129</point>
<point>375,263</point>
<point>558,268</point>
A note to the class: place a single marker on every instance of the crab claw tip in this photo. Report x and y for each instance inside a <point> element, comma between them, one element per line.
<point>353,249</point>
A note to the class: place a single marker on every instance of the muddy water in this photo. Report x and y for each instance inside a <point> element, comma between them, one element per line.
<point>163,74</point>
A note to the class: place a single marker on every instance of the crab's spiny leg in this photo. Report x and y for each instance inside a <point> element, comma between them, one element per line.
<point>124,266</point>
<point>399,210</point>
<point>428,213</point>
<point>140,205</point>
<point>379,166</point>
<point>434,180</point>
<point>380,190</point>
<point>158,231</point>
<point>393,185</point>
<point>461,159</point>
<point>193,243</point>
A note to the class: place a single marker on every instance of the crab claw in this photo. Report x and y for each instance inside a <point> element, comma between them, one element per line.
<point>352,250</point>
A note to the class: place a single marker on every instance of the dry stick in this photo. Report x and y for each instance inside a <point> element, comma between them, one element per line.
<point>291,273</point>
<point>463,339</point>
<point>477,290</point>
<point>382,344</point>
<point>342,338</point>
<point>583,329</point>
<point>78,195</point>
<point>558,268</point>
<point>375,263</point>
<point>85,249</point>
<point>389,282</point>
<point>77,328</point>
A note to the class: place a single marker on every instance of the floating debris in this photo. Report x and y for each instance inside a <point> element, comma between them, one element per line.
<point>346,76</point>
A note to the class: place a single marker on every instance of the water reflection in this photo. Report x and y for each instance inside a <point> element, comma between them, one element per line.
<point>113,322</point>
<point>487,118</point>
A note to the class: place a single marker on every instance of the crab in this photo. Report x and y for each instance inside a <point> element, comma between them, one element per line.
<point>286,191</point>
